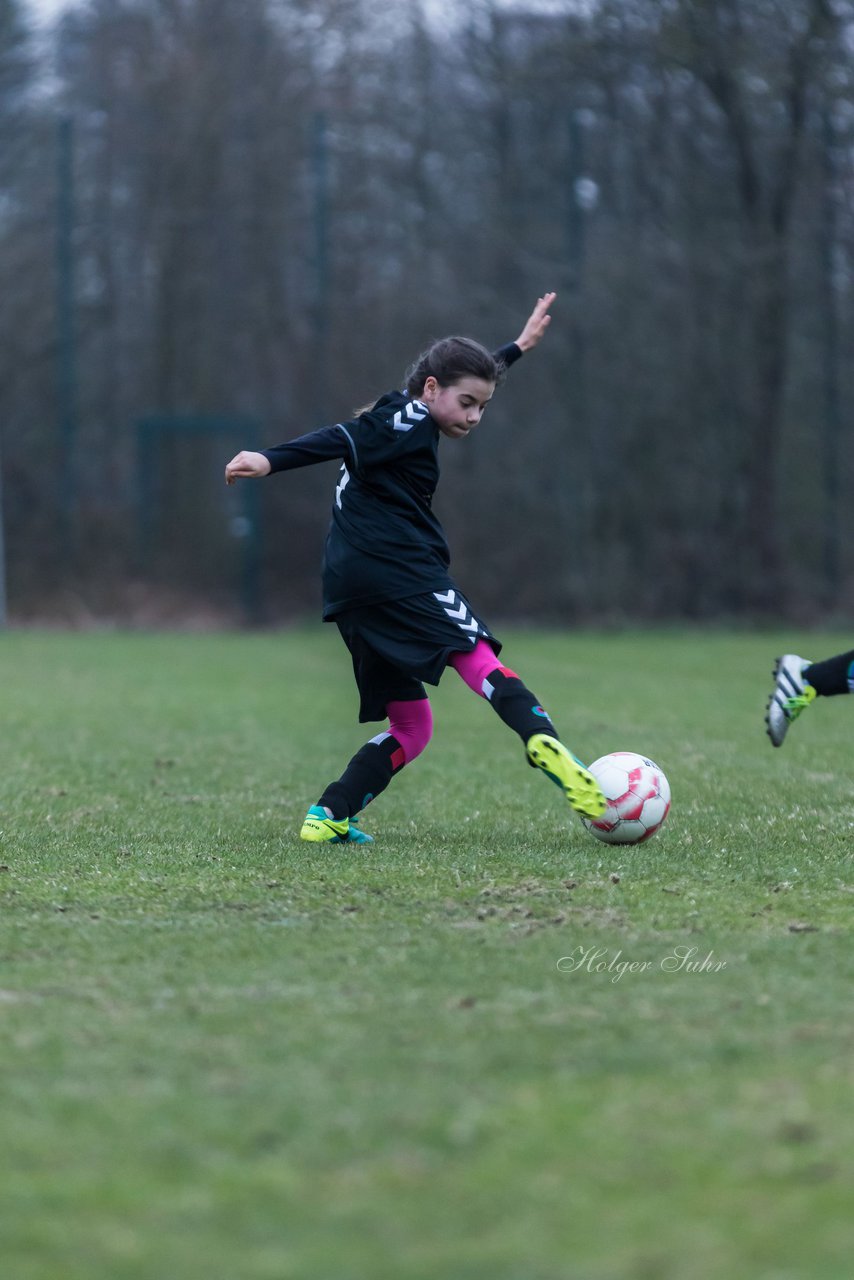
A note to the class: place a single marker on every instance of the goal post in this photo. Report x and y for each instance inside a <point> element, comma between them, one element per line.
<point>181,505</point>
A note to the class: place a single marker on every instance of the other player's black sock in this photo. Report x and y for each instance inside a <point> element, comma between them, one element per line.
<point>517,706</point>
<point>368,773</point>
<point>832,676</point>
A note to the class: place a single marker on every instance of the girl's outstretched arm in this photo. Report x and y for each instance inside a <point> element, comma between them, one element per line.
<point>323,445</point>
<point>247,463</point>
<point>536,324</point>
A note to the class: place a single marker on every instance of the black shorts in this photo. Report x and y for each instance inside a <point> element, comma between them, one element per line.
<point>397,645</point>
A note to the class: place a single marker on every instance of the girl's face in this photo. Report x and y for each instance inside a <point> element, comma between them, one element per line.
<point>457,409</point>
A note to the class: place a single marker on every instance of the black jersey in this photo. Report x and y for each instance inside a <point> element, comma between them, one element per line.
<point>385,541</point>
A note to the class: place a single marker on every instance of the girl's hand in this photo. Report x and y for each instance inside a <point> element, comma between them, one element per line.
<point>537,323</point>
<point>247,463</point>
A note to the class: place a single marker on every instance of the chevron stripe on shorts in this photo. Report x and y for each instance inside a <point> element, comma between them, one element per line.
<point>457,609</point>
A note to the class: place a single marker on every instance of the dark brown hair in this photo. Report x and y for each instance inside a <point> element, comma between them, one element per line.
<point>449,360</point>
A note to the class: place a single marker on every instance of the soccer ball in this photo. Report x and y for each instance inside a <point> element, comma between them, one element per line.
<point>638,796</point>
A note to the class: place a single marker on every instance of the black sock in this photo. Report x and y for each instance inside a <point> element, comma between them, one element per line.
<point>517,706</point>
<point>832,676</point>
<point>368,773</point>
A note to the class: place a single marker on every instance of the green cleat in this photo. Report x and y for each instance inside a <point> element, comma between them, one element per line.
<point>567,772</point>
<point>320,828</point>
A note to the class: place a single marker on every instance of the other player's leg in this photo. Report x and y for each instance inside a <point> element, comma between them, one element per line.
<point>798,682</point>
<point>791,695</point>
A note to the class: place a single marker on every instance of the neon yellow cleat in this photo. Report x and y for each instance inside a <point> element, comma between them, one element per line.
<point>567,772</point>
<point>319,828</point>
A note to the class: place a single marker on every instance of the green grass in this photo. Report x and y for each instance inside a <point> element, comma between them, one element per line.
<point>226,1053</point>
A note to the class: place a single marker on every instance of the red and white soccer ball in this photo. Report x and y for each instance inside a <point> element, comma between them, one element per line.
<point>638,796</point>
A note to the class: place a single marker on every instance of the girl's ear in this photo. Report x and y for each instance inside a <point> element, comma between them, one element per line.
<point>431,386</point>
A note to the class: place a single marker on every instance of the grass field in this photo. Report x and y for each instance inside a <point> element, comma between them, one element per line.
<point>226,1053</point>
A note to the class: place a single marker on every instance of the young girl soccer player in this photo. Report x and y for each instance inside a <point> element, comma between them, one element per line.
<point>386,582</point>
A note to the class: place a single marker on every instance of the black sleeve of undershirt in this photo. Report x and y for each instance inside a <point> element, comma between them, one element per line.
<point>507,355</point>
<point>318,446</point>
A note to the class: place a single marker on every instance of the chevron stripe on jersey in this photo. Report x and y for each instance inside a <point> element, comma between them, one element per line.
<point>342,484</point>
<point>410,415</point>
<point>457,609</point>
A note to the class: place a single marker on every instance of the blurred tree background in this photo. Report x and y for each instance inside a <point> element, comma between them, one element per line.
<point>250,216</point>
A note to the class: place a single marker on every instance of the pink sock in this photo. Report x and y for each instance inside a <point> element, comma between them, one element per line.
<point>412,724</point>
<point>476,665</point>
